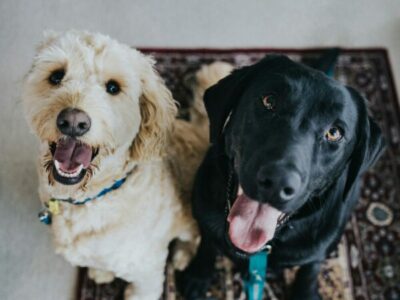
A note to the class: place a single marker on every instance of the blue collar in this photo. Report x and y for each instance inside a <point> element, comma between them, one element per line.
<point>117,184</point>
<point>52,207</point>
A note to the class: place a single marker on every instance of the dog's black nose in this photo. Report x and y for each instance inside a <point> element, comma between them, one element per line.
<point>73,122</point>
<point>279,183</point>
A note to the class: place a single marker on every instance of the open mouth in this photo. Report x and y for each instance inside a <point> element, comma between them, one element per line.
<point>252,224</point>
<point>71,160</point>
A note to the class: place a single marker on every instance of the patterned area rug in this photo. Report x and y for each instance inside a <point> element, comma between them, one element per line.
<point>366,264</point>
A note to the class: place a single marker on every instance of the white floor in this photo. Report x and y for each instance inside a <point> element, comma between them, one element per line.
<point>28,267</point>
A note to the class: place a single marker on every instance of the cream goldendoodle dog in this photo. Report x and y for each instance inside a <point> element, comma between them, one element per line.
<point>116,167</point>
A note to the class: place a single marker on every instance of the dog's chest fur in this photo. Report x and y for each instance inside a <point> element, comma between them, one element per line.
<point>132,223</point>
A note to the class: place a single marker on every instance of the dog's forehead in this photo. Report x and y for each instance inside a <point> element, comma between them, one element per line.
<point>297,86</point>
<point>82,52</point>
<point>302,94</point>
<point>295,78</point>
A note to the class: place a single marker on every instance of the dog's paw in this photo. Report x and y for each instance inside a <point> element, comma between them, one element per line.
<point>100,276</point>
<point>183,251</point>
<point>181,259</point>
<point>129,293</point>
<point>191,287</point>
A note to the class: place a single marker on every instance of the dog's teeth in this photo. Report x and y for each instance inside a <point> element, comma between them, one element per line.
<point>240,191</point>
<point>282,219</point>
<point>57,164</point>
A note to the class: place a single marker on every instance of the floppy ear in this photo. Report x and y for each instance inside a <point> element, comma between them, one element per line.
<point>221,99</point>
<point>368,148</point>
<point>158,111</point>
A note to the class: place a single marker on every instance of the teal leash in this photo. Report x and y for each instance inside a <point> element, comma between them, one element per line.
<point>257,277</point>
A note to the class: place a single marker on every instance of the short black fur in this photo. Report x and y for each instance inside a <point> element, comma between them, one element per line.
<point>252,144</point>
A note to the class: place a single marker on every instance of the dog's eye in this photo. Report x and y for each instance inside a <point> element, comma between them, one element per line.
<point>56,77</point>
<point>112,87</point>
<point>334,134</point>
<point>269,102</point>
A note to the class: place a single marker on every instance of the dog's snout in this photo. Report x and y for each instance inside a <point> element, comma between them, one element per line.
<point>73,122</point>
<point>279,183</point>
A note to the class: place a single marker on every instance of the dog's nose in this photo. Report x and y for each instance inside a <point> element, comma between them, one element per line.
<point>279,183</point>
<point>73,122</point>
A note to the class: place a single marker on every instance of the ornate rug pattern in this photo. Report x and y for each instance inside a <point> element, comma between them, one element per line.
<point>366,265</point>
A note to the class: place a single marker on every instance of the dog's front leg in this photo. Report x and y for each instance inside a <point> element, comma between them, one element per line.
<point>195,280</point>
<point>305,285</point>
<point>145,286</point>
<point>101,276</point>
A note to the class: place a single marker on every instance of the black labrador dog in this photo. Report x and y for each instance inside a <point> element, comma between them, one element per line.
<point>289,145</point>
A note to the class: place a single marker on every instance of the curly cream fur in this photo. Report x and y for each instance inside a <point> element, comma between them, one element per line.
<point>157,117</point>
<point>127,232</point>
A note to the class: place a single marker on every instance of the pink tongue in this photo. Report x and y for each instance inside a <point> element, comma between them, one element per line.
<point>252,224</point>
<point>70,154</point>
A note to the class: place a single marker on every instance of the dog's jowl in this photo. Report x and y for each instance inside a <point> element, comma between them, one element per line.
<point>115,167</point>
<point>289,146</point>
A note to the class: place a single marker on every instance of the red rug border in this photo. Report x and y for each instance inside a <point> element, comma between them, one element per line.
<point>217,50</point>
